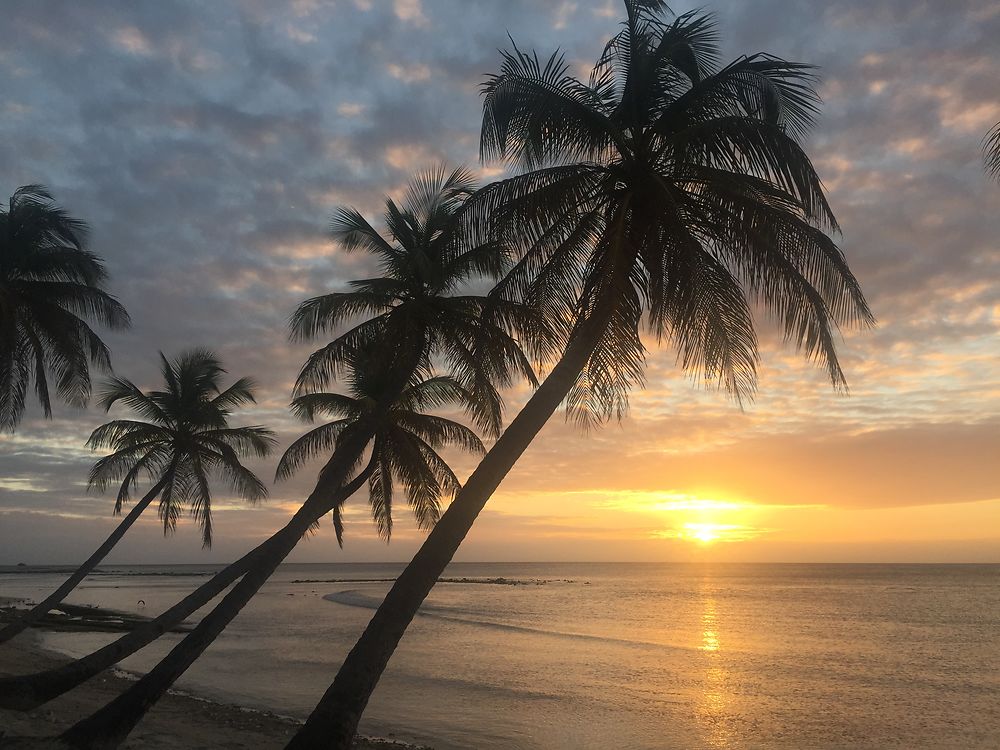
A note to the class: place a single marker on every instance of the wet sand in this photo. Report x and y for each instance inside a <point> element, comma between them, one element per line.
<point>176,721</point>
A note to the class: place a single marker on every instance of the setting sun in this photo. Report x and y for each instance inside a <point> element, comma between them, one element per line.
<point>705,520</point>
<point>499,375</point>
<point>703,532</point>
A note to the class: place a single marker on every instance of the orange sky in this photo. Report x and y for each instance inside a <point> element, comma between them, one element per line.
<point>208,161</point>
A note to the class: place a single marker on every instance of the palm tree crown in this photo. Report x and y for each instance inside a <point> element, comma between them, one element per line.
<point>405,446</point>
<point>184,439</point>
<point>670,188</point>
<point>50,285</point>
<point>414,306</point>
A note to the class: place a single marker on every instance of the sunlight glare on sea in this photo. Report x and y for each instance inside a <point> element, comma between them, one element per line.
<point>711,656</point>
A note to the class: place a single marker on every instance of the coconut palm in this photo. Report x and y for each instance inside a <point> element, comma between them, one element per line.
<point>50,287</point>
<point>417,315</point>
<point>486,326</point>
<point>666,190</point>
<point>403,452</point>
<point>429,255</point>
<point>181,442</point>
<point>991,151</point>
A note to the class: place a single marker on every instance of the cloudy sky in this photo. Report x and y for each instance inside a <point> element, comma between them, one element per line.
<point>208,143</point>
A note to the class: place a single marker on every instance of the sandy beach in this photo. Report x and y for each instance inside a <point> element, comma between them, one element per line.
<point>177,721</point>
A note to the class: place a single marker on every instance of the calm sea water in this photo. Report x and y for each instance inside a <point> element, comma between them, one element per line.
<point>613,656</point>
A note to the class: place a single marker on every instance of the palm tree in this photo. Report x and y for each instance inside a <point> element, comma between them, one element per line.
<point>485,324</point>
<point>417,315</point>
<point>430,254</point>
<point>50,286</point>
<point>184,440</point>
<point>991,151</point>
<point>403,451</point>
<point>667,190</point>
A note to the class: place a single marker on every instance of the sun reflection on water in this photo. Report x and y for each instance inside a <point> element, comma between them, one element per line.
<point>710,636</point>
<point>714,708</point>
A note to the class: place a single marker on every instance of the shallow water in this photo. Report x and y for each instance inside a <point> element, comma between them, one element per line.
<point>625,655</point>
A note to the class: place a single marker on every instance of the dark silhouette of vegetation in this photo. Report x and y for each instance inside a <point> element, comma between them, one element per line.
<point>184,439</point>
<point>26,692</point>
<point>991,152</point>
<point>416,316</point>
<point>414,307</point>
<point>51,288</point>
<point>403,451</point>
<point>668,190</point>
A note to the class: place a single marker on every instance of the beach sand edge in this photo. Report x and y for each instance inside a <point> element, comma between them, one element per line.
<point>176,721</point>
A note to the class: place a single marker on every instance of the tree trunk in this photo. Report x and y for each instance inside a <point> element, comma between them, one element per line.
<point>30,691</point>
<point>27,692</point>
<point>40,610</point>
<point>334,721</point>
<point>109,726</point>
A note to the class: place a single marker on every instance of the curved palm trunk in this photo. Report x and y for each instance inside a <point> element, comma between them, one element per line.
<point>109,726</point>
<point>24,693</point>
<point>41,609</point>
<point>334,721</point>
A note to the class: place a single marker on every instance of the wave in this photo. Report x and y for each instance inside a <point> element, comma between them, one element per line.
<point>357,598</point>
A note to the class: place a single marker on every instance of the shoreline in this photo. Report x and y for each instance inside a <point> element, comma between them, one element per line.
<point>178,720</point>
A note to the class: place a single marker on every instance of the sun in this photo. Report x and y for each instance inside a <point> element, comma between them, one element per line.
<point>706,533</point>
<point>706,521</point>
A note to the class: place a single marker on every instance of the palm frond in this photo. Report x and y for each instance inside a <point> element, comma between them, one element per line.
<point>380,492</point>
<point>316,442</point>
<point>991,152</point>
<point>666,188</point>
<point>246,441</point>
<point>184,439</point>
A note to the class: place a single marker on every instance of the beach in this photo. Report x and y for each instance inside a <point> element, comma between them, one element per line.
<point>570,656</point>
<point>177,721</point>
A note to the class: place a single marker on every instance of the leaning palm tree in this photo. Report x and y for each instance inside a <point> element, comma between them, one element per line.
<point>182,440</point>
<point>404,451</point>
<point>50,286</point>
<point>417,313</point>
<point>666,190</point>
<point>419,296</point>
<point>991,151</point>
<point>430,254</point>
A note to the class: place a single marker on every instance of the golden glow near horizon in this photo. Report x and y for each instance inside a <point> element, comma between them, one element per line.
<point>701,520</point>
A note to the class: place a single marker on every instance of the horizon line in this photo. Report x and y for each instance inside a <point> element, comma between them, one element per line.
<point>550,562</point>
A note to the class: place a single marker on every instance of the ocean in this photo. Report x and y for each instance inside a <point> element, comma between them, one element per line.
<point>609,655</point>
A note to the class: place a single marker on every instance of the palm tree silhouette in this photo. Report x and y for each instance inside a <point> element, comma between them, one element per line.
<point>485,326</point>
<point>183,440</point>
<point>50,286</point>
<point>404,450</point>
<point>417,317</point>
<point>430,253</point>
<point>666,190</point>
<point>991,151</point>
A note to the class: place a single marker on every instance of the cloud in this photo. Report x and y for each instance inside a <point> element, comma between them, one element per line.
<point>208,143</point>
<point>410,11</point>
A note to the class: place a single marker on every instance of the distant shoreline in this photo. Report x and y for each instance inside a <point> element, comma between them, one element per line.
<point>208,568</point>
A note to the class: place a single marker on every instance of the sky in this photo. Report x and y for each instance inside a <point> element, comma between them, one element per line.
<point>208,143</point>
